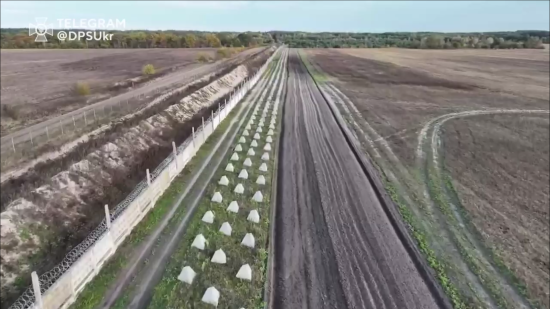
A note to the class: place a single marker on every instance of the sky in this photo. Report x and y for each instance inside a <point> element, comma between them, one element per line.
<point>311,16</point>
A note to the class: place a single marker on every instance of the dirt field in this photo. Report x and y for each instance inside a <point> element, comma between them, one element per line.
<point>36,83</point>
<point>477,185</point>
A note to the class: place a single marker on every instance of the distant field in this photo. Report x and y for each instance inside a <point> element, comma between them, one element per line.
<point>36,83</point>
<point>474,174</point>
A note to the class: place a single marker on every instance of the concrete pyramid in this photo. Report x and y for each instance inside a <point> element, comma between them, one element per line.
<point>267,147</point>
<point>259,130</point>
<point>199,242</point>
<point>249,240</point>
<point>269,139</point>
<point>208,217</point>
<point>257,136</point>
<point>248,127</point>
<point>235,157</point>
<point>217,198</point>
<point>258,197</point>
<point>265,156</point>
<point>229,168</point>
<point>270,132</point>
<point>239,189</point>
<point>260,180</point>
<point>223,181</point>
<point>253,216</point>
<point>243,174</point>
<point>253,117</point>
<point>233,207</point>
<point>226,229</point>
<point>250,152</point>
<point>187,275</point>
<point>245,272</point>
<point>272,126</point>
<point>211,296</point>
<point>254,143</point>
<point>239,148</point>
<point>245,133</point>
<point>263,167</point>
<point>219,257</point>
<point>242,140</point>
<point>251,122</point>
<point>261,124</point>
<point>247,162</point>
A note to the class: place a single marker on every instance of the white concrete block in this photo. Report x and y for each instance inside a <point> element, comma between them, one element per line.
<point>265,156</point>
<point>258,197</point>
<point>208,217</point>
<point>248,127</point>
<point>211,296</point>
<point>229,168</point>
<point>263,167</point>
<point>247,162</point>
<point>245,133</point>
<point>253,117</point>
<point>267,147</point>
<point>219,257</point>
<point>239,148</point>
<point>199,242</point>
<point>226,229</point>
<point>245,272</point>
<point>234,157</point>
<point>233,207</point>
<point>269,139</point>
<point>243,174</point>
<point>272,126</point>
<point>250,152</point>
<point>239,189</point>
<point>242,140</point>
<point>249,240</point>
<point>254,143</point>
<point>260,180</point>
<point>187,275</point>
<point>217,198</point>
<point>253,216</point>
<point>223,181</point>
<point>270,132</point>
<point>259,130</point>
<point>257,136</point>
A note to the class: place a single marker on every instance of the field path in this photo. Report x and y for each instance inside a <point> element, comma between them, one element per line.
<point>335,247</point>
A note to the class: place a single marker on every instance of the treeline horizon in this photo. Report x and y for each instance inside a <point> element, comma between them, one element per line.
<point>18,38</point>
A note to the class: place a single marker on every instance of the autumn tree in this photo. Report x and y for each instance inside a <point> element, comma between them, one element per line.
<point>212,40</point>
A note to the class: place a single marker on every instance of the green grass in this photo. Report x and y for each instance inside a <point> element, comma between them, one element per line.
<point>234,293</point>
<point>94,291</point>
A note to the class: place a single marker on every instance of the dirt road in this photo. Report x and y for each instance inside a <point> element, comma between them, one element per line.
<point>334,245</point>
<point>180,77</point>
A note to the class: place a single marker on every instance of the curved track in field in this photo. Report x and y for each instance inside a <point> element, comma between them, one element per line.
<point>335,244</point>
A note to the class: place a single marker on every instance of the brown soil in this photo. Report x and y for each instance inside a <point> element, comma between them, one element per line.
<point>51,75</point>
<point>500,167</point>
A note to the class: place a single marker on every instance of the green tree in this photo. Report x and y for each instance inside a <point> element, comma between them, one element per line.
<point>212,40</point>
<point>190,40</point>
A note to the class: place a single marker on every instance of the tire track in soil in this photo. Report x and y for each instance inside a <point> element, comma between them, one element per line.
<point>334,244</point>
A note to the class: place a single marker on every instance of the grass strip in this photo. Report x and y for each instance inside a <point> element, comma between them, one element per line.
<point>235,293</point>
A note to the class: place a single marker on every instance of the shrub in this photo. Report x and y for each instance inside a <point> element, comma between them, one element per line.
<point>203,58</point>
<point>223,53</point>
<point>82,88</point>
<point>9,111</point>
<point>148,69</point>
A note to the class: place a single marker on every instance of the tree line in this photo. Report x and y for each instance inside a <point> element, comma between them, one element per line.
<point>19,38</point>
<point>416,40</point>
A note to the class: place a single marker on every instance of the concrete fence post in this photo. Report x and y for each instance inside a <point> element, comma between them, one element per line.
<point>61,125</point>
<point>193,130</point>
<point>30,134</point>
<point>47,133</point>
<point>219,113</point>
<point>107,217</point>
<point>212,117</point>
<point>13,144</point>
<point>95,117</point>
<point>148,177</point>
<point>37,292</point>
<point>74,123</point>
<point>85,119</point>
<point>175,151</point>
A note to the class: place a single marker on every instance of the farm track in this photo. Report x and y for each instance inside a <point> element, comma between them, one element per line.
<point>335,246</point>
